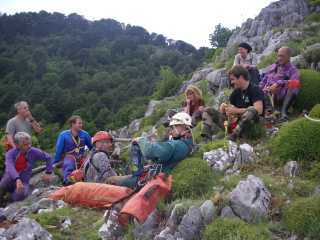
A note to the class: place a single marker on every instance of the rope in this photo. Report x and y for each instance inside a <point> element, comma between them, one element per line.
<point>311,119</point>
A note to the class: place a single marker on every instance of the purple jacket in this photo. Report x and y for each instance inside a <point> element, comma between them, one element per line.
<point>32,155</point>
<point>280,75</point>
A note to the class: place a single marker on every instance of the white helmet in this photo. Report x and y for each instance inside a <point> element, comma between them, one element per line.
<point>181,118</point>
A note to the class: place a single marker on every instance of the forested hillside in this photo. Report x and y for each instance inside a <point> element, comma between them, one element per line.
<point>103,70</point>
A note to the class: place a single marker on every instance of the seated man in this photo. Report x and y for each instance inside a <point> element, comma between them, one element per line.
<point>19,162</point>
<point>248,60</point>
<point>22,122</point>
<point>194,104</point>
<point>70,147</point>
<point>246,104</point>
<point>97,167</point>
<point>276,82</point>
<point>167,154</point>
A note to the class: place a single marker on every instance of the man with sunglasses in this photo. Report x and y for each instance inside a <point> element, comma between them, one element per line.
<point>19,162</point>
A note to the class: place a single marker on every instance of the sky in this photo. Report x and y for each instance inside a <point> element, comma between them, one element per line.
<point>190,21</point>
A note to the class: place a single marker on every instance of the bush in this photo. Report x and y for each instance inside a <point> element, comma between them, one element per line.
<point>303,217</point>
<point>192,178</point>
<point>315,112</point>
<point>309,92</point>
<point>298,140</point>
<point>233,229</point>
<point>314,17</point>
<point>267,60</point>
<point>255,131</point>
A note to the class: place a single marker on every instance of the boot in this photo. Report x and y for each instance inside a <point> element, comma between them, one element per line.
<point>287,102</point>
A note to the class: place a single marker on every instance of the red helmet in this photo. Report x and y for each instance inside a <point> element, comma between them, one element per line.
<point>102,135</point>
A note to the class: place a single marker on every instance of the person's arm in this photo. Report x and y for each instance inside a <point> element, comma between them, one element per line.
<point>157,152</point>
<point>10,166</point>
<point>258,105</point>
<point>88,141</point>
<point>59,148</point>
<point>254,61</point>
<point>34,124</point>
<point>236,60</point>
<point>10,131</point>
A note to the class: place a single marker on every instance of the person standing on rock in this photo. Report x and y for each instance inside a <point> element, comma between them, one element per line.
<point>165,155</point>
<point>282,81</point>
<point>18,167</point>
<point>22,122</point>
<point>245,107</point>
<point>247,59</point>
<point>194,103</point>
<point>97,167</point>
<point>70,147</point>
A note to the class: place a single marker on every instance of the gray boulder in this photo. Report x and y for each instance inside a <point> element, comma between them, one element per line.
<point>291,169</point>
<point>134,126</point>
<point>250,200</point>
<point>26,229</point>
<point>111,229</point>
<point>191,224</point>
<point>218,80</point>
<point>207,211</point>
<point>148,228</point>
<point>227,212</point>
<point>165,234</point>
<point>37,182</point>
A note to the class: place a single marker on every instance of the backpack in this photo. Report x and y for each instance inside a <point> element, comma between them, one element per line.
<point>95,171</point>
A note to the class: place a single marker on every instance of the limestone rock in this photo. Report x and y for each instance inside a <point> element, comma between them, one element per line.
<point>291,169</point>
<point>191,224</point>
<point>151,107</point>
<point>250,200</point>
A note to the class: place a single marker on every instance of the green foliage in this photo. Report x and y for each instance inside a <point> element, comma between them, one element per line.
<point>312,55</point>
<point>99,69</point>
<point>313,17</point>
<point>192,178</point>
<point>80,227</point>
<point>255,131</point>
<point>215,54</point>
<point>220,37</point>
<point>298,140</point>
<point>229,63</point>
<point>303,217</point>
<point>309,94</point>
<point>315,111</point>
<point>267,60</point>
<point>314,2</point>
<point>48,137</point>
<point>234,229</point>
<point>169,83</point>
<point>213,145</point>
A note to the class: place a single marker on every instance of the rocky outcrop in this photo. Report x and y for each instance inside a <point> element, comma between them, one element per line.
<point>250,200</point>
<point>271,28</point>
<point>151,107</point>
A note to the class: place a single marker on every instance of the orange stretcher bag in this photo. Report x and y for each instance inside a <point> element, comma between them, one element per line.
<point>93,195</point>
<point>141,205</point>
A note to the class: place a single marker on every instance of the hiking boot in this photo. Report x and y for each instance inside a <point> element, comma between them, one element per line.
<point>283,119</point>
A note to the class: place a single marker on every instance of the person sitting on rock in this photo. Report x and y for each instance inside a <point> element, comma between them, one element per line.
<point>18,167</point>
<point>194,104</point>
<point>165,155</point>
<point>97,167</point>
<point>22,122</point>
<point>247,59</point>
<point>245,107</point>
<point>278,80</point>
<point>70,147</point>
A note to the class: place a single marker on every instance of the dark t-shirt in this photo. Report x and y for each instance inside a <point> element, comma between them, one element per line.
<point>246,98</point>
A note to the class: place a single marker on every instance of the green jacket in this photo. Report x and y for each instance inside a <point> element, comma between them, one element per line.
<point>168,153</point>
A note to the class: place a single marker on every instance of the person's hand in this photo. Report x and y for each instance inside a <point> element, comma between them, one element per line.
<point>231,110</point>
<point>19,186</point>
<point>201,108</point>
<point>273,87</point>
<point>223,107</point>
<point>135,140</point>
<point>247,66</point>
<point>46,177</point>
<point>188,101</point>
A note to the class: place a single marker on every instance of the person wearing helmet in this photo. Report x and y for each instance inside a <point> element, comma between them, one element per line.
<point>167,153</point>
<point>194,103</point>
<point>245,107</point>
<point>97,167</point>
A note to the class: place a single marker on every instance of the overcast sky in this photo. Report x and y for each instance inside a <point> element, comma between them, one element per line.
<point>190,21</point>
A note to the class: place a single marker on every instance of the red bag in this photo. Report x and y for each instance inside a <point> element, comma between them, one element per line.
<point>145,201</point>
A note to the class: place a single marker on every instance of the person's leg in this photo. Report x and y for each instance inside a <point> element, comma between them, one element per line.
<point>211,117</point>
<point>7,184</point>
<point>287,102</point>
<point>124,181</point>
<point>68,167</point>
<point>19,196</point>
<point>247,118</point>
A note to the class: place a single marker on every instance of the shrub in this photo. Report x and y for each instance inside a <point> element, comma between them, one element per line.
<point>192,178</point>
<point>309,92</point>
<point>315,112</point>
<point>255,131</point>
<point>267,60</point>
<point>303,217</point>
<point>298,140</point>
<point>233,229</point>
<point>313,17</point>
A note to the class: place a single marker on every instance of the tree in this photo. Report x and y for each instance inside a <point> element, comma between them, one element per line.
<point>220,37</point>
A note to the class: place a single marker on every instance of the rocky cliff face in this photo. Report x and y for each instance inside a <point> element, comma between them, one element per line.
<point>271,28</point>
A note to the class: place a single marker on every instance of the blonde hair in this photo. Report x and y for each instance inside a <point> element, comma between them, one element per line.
<point>195,90</point>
